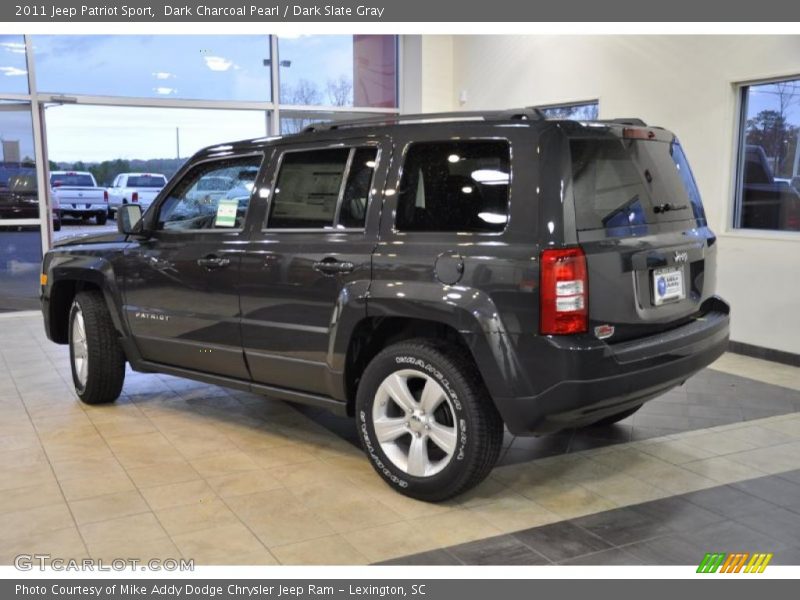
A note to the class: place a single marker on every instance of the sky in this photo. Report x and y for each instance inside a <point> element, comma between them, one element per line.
<point>98,133</point>
<point>187,67</point>
<point>765,97</point>
<point>13,70</point>
<point>207,67</point>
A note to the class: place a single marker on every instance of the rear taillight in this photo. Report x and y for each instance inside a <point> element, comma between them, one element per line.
<point>563,292</point>
<point>105,195</point>
<point>135,197</point>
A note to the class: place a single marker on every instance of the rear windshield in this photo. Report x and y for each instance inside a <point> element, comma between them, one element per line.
<point>147,181</point>
<point>623,184</point>
<point>22,183</point>
<point>71,180</point>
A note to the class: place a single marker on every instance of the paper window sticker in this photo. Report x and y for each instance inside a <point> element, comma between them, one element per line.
<point>226,213</point>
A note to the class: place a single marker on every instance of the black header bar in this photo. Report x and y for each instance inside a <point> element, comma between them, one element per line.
<point>272,11</point>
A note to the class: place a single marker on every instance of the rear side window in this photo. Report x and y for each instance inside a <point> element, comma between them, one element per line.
<point>455,186</point>
<point>622,184</point>
<point>318,189</point>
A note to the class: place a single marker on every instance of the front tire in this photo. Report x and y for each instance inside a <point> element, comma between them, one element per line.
<point>426,421</point>
<point>96,357</point>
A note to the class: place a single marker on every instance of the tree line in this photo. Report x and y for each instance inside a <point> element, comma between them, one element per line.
<point>105,172</point>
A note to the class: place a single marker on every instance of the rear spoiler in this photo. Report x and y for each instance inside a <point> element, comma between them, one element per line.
<point>634,121</point>
<point>631,128</point>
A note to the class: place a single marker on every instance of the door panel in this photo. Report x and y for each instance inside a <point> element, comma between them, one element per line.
<point>182,312</point>
<point>181,289</point>
<point>296,282</point>
<point>289,306</point>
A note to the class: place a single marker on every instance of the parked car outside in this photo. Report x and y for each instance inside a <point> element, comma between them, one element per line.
<point>19,198</point>
<point>415,274</point>
<point>141,188</point>
<point>79,196</point>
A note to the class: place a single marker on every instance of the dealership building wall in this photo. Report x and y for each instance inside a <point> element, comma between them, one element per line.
<point>687,84</point>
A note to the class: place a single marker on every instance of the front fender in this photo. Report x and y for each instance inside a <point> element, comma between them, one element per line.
<point>88,268</point>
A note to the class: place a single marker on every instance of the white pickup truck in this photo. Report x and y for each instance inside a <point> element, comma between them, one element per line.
<point>77,194</point>
<point>140,188</point>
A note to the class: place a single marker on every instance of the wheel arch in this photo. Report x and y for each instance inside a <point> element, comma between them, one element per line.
<point>390,321</point>
<point>77,274</point>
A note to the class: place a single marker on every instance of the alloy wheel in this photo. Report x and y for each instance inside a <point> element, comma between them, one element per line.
<point>80,348</point>
<point>414,423</point>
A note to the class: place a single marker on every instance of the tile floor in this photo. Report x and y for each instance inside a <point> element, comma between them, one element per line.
<point>182,469</point>
<point>756,515</point>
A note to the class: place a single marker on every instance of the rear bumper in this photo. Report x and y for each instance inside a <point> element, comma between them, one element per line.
<point>606,379</point>
<point>95,209</point>
<point>92,209</point>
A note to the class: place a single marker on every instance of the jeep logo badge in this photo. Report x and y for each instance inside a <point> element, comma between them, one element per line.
<point>681,257</point>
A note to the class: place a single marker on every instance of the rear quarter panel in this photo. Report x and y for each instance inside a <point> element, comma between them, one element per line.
<point>495,299</point>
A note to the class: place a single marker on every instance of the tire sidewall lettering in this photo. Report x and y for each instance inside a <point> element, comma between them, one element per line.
<point>387,474</point>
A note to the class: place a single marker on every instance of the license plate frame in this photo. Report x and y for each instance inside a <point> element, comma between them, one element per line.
<point>668,285</point>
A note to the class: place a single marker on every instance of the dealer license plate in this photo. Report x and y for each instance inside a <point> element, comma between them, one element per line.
<point>668,285</point>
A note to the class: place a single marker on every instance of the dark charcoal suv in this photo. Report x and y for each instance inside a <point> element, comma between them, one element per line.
<point>434,276</point>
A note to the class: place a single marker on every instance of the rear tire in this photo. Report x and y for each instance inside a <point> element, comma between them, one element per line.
<point>440,433</point>
<point>96,357</point>
<point>610,420</point>
<point>101,218</point>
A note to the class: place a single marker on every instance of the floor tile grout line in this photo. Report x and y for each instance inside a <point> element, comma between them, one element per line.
<point>246,525</point>
<point>243,523</point>
<point>203,478</point>
<point>623,546</point>
<point>55,477</point>
<point>227,505</point>
<point>743,358</point>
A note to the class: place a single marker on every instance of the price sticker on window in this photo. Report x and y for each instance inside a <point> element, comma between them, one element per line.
<point>226,213</point>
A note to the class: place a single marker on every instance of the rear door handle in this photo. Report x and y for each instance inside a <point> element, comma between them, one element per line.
<point>331,266</point>
<point>213,262</point>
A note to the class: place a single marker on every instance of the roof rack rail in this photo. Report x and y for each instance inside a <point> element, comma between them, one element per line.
<point>624,121</point>
<point>521,114</point>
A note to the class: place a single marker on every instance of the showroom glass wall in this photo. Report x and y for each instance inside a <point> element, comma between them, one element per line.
<point>110,104</point>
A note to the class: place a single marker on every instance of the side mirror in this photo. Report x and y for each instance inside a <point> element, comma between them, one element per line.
<point>128,215</point>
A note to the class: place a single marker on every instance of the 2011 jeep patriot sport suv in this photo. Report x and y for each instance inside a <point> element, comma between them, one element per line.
<point>436,277</point>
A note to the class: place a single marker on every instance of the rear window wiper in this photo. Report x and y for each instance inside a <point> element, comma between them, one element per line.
<point>666,207</point>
